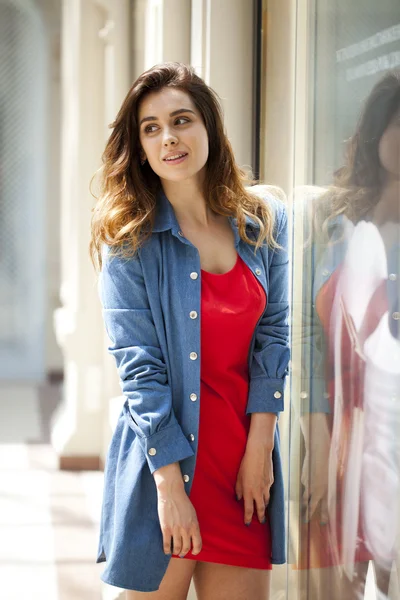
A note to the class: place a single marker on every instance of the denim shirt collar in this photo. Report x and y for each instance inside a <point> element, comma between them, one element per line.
<point>165,218</point>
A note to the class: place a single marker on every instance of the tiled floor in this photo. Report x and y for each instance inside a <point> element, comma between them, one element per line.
<point>48,518</point>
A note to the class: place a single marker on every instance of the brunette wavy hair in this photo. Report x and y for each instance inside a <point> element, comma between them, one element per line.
<point>358,184</point>
<point>124,213</point>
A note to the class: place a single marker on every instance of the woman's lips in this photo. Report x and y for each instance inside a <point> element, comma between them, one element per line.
<point>175,161</point>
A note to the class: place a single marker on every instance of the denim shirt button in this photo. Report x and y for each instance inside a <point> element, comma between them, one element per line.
<point>396,316</point>
<point>180,233</point>
<point>277,395</point>
<point>393,277</point>
<point>193,356</point>
<point>152,451</point>
<point>194,275</point>
<point>191,437</point>
<point>193,397</point>
<point>186,478</point>
<point>193,314</point>
<point>258,271</point>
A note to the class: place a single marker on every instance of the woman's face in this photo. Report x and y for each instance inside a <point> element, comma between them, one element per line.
<point>389,148</point>
<point>172,135</point>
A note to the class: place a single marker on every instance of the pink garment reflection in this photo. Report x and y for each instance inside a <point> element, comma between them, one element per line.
<point>363,381</point>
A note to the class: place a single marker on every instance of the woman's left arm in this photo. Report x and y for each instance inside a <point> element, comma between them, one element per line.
<point>268,370</point>
<point>271,354</point>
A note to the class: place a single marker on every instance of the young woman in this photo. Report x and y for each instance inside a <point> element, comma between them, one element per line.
<point>194,288</point>
<point>352,378</point>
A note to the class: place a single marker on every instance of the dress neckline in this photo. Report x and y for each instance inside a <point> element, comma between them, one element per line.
<point>223,274</point>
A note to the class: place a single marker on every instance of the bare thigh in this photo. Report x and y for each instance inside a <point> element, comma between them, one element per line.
<point>331,584</point>
<point>382,580</point>
<point>175,584</point>
<point>223,582</point>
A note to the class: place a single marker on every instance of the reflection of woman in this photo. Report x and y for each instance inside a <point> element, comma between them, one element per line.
<point>194,290</point>
<point>364,202</point>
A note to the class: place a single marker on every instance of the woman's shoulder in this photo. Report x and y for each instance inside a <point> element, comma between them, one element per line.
<point>274,197</point>
<point>119,258</point>
<point>314,207</point>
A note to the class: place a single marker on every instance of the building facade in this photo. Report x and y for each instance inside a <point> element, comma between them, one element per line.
<point>292,75</point>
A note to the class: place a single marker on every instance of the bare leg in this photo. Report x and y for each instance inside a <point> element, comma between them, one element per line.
<point>331,584</point>
<point>382,581</point>
<point>223,582</point>
<point>175,584</point>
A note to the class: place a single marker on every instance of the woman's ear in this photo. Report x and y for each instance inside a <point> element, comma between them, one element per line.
<point>143,157</point>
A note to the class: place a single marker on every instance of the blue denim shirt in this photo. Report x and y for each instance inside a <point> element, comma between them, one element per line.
<point>146,303</point>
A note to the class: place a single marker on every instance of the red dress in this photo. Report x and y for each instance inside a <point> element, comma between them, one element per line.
<point>231,305</point>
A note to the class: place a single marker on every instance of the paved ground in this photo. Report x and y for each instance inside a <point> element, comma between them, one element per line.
<point>48,518</point>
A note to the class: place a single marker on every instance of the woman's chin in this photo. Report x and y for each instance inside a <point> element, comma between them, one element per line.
<point>177,177</point>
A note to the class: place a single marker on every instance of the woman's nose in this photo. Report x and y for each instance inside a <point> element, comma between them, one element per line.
<point>169,140</point>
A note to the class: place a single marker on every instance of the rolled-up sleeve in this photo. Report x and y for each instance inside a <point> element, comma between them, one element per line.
<point>269,364</point>
<point>307,331</point>
<point>141,366</point>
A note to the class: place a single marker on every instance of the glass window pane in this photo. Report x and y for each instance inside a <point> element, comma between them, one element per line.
<point>346,381</point>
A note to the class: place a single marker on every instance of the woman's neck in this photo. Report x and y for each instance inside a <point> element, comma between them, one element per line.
<point>188,200</point>
<point>388,207</point>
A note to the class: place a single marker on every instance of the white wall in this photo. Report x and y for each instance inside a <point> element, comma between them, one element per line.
<point>222,52</point>
<point>95,78</point>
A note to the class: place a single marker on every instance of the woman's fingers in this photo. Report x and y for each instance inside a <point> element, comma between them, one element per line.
<point>260,500</point>
<point>177,541</point>
<point>324,510</point>
<point>261,505</point>
<point>311,501</point>
<point>185,540</point>
<point>306,498</point>
<point>185,547</point>
<point>178,521</point>
<point>248,508</point>
<point>167,540</point>
<point>196,540</point>
<point>306,505</point>
<point>239,489</point>
<point>312,505</point>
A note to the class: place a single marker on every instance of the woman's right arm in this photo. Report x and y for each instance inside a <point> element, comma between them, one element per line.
<point>141,367</point>
<point>143,376</point>
<point>308,337</point>
<point>178,519</point>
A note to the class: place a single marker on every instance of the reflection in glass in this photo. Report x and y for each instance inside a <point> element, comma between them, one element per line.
<point>350,355</point>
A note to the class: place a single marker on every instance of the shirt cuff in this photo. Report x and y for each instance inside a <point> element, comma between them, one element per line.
<point>265,395</point>
<point>166,447</point>
<point>317,399</point>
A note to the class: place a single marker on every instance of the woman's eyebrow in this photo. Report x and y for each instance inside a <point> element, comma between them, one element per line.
<point>173,114</point>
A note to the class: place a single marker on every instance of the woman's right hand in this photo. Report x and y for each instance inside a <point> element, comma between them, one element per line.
<point>314,475</point>
<point>178,519</point>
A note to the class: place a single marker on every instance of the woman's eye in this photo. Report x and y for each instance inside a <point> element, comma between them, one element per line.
<point>179,121</point>
<point>183,119</point>
<point>150,128</point>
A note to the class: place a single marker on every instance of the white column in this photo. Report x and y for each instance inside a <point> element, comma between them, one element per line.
<point>277,144</point>
<point>94,41</point>
<point>52,23</point>
<point>222,44</point>
<point>176,30</point>
<point>167,27</point>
